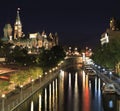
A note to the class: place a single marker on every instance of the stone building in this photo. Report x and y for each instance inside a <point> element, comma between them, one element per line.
<point>34,40</point>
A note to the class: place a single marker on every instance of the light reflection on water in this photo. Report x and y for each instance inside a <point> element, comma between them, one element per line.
<point>76,94</point>
<point>86,94</point>
<point>75,91</point>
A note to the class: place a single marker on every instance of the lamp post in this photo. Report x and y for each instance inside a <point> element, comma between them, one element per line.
<point>3,102</point>
<point>21,86</point>
<point>32,84</point>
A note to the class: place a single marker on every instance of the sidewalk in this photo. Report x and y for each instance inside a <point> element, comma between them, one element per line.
<point>14,97</point>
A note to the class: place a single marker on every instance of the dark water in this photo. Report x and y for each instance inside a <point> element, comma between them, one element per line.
<point>73,91</point>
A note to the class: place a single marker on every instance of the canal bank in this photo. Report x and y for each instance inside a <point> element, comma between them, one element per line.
<point>15,98</point>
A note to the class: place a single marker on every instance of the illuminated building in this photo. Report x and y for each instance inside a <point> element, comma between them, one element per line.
<point>112,32</point>
<point>34,41</point>
<point>17,26</point>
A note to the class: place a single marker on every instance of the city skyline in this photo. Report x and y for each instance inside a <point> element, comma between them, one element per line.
<point>77,23</point>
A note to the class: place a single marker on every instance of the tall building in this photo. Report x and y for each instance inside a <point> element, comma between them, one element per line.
<point>17,26</point>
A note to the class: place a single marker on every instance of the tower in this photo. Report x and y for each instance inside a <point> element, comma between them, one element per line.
<point>17,26</point>
<point>113,24</point>
<point>7,30</point>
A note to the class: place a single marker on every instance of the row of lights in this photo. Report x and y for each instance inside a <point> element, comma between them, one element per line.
<point>21,86</point>
<point>103,69</point>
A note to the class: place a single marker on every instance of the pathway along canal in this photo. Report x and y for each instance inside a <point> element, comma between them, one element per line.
<point>72,90</point>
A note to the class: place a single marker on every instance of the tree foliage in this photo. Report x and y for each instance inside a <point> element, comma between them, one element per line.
<point>108,55</point>
<point>50,58</point>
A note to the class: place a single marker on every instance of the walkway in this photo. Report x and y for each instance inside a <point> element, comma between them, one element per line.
<point>107,79</point>
<point>15,98</point>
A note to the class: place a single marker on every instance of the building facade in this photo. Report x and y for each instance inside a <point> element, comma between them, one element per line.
<point>34,40</point>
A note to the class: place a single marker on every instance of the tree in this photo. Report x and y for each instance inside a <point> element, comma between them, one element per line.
<point>50,58</point>
<point>109,54</point>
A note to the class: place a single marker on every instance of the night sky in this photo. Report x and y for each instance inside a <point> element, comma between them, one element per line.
<point>77,22</point>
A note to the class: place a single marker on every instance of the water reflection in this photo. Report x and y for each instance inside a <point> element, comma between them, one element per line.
<point>40,102</point>
<point>76,94</point>
<point>110,102</point>
<point>86,93</point>
<point>73,91</point>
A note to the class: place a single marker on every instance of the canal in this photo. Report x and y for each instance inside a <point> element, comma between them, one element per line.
<point>72,90</point>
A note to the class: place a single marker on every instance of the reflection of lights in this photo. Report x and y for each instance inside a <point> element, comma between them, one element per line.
<point>53,93</point>
<point>40,102</point>
<point>61,73</point>
<point>32,106</point>
<point>76,92</point>
<point>110,104</point>
<point>56,96</point>
<point>96,84</point>
<point>99,85</point>
<point>45,99</point>
<point>69,80</point>
<point>49,96</point>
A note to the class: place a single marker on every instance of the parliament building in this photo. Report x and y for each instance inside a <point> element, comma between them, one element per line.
<point>34,40</point>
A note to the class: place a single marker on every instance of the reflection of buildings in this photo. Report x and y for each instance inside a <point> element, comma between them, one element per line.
<point>35,40</point>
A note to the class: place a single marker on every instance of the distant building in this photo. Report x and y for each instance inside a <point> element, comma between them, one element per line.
<point>33,41</point>
<point>110,33</point>
<point>44,40</point>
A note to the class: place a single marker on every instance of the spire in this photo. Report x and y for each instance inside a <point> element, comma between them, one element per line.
<point>18,21</point>
<point>17,26</point>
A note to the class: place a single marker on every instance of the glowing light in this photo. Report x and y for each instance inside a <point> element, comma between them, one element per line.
<point>32,106</point>
<point>50,97</point>
<point>111,104</point>
<point>45,99</point>
<point>40,102</point>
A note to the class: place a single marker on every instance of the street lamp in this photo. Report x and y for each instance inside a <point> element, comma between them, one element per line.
<point>21,86</point>
<point>3,102</point>
<point>40,77</point>
<point>32,84</point>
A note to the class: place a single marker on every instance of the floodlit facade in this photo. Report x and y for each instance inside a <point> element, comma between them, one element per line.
<point>18,26</point>
<point>104,38</point>
<point>33,40</point>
